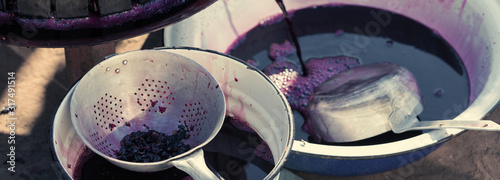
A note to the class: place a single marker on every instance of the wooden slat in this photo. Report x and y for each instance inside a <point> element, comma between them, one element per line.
<point>34,8</point>
<point>72,8</point>
<point>113,6</point>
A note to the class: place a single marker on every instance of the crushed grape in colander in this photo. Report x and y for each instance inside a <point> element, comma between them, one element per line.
<point>152,146</point>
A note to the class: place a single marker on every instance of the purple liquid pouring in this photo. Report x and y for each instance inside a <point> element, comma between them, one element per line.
<point>294,36</point>
<point>434,63</point>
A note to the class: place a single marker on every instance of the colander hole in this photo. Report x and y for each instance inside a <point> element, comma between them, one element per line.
<point>149,85</point>
<point>142,84</point>
<point>121,106</point>
<point>141,95</point>
<point>149,110</point>
<point>139,89</point>
<point>142,109</point>
<point>105,100</point>
<point>164,92</point>
<point>158,91</point>
<point>106,94</point>
<point>148,94</point>
<point>161,96</point>
<point>120,100</point>
<point>165,82</point>
<point>110,96</point>
<point>102,98</point>
<point>182,116</point>
<point>146,79</point>
<point>154,95</point>
<point>161,86</point>
<point>115,98</point>
<point>118,122</point>
<point>97,124</point>
<point>116,104</point>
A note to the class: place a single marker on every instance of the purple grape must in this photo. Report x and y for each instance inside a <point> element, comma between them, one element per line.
<point>152,146</point>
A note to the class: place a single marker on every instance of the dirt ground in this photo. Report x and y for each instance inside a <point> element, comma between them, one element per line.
<point>41,85</point>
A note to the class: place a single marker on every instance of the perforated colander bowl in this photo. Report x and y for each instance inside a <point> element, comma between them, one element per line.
<point>149,89</point>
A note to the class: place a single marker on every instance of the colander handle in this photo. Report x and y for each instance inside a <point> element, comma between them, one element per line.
<point>194,165</point>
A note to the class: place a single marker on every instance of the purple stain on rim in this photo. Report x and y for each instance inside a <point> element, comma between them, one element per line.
<point>339,32</point>
<point>264,152</point>
<point>241,124</point>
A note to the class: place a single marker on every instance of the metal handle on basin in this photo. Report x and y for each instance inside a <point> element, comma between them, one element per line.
<point>194,164</point>
<point>483,125</point>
